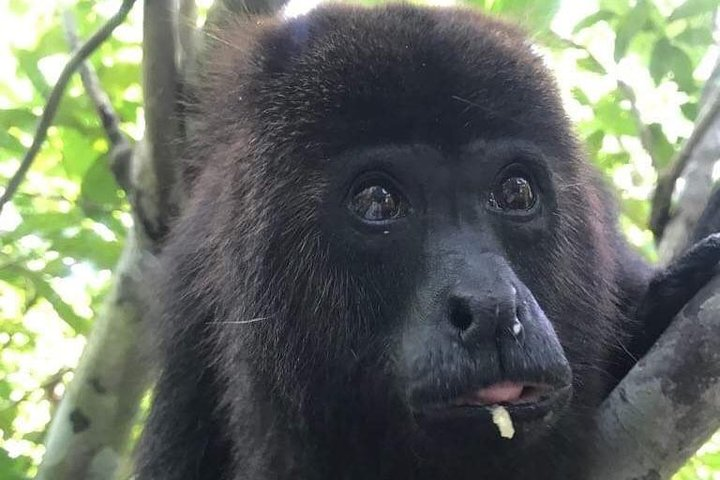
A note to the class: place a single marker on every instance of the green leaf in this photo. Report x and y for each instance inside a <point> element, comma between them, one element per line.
<point>692,8</point>
<point>638,211</point>
<point>710,460</point>
<point>668,59</point>
<point>28,65</point>
<point>51,42</point>
<point>617,6</point>
<point>662,149</point>
<point>10,143</point>
<point>79,324</point>
<point>23,118</point>
<point>99,186</point>
<point>35,437</point>
<point>589,21</point>
<point>690,110</point>
<point>594,142</point>
<point>609,161</point>
<point>590,64</point>
<point>535,15</point>
<point>629,26</point>
<point>694,36</point>
<point>580,96</point>
<point>11,468</point>
<point>77,152</point>
<point>44,289</point>
<point>681,67</point>
<point>87,245</point>
<point>614,119</point>
<point>658,64</point>
<point>44,223</point>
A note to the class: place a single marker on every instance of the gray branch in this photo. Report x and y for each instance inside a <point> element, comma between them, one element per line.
<point>90,429</point>
<point>160,88</point>
<point>669,403</point>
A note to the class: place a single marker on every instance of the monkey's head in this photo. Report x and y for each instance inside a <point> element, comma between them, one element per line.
<point>395,227</point>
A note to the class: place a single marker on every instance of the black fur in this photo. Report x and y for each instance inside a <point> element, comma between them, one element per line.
<point>293,341</point>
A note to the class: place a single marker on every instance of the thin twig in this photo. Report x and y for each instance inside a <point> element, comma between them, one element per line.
<point>100,100</point>
<point>56,95</point>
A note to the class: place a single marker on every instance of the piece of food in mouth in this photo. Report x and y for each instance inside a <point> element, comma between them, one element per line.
<point>501,419</point>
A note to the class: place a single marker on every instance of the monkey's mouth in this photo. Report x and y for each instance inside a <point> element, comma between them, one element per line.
<point>524,401</point>
<point>510,393</point>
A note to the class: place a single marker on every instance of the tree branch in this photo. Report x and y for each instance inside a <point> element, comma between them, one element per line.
<point>668,406</point>
<point>160,91</point>
<point>121,149</point>
<point>56,95</point>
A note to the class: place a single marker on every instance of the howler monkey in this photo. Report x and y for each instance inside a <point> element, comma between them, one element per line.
<point>392,231</point>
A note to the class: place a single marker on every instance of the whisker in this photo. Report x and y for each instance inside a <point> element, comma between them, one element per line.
<point>241,322</point>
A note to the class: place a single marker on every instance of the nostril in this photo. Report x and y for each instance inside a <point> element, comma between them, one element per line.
<point>460,315</point>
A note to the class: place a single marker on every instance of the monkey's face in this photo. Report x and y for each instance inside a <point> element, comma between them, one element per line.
<point>423,233</point>
<point>435,237</point>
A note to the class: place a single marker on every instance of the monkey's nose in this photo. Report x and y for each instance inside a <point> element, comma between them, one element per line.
<point>484,316</point>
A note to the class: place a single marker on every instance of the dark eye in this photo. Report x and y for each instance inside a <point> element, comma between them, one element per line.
<point>514,192</point>
<point>378,203</point>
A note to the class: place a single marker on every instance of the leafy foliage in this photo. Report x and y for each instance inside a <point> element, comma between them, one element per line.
<point>63,231</point>
<point>631,73</point>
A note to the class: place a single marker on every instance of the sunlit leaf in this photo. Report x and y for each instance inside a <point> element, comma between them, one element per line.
<point>87,245</point>
<point>617,6</point>
<point>77,154</point>
<point>629,26</point>
<point>46,291</point>
<point>670,59</point>
<point>690,110</point>
<point>99,185</point>
<point>594,142</point>
<point>692,8</point>
<point>615,120</point>
<point>535,15</point>
<point>694,36</point>
<point>589,21</point>
<point>28,66</point>
<point>591,65</point>
<point>662,149</point>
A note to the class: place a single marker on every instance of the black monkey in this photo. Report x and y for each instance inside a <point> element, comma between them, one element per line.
<point>392,230</point>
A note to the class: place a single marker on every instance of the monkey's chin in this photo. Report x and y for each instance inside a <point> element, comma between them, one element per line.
<point>527,412</point>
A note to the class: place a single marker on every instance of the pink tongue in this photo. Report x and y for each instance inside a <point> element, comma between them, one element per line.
<point>499,393</point>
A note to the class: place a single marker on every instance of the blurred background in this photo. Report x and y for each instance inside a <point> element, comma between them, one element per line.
<point>632,74</point>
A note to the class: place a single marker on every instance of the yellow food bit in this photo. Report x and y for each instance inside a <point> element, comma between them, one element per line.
<point>501,418</point>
